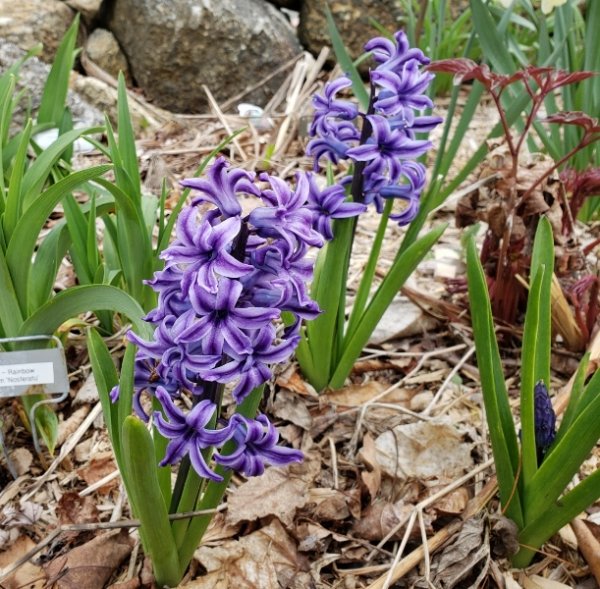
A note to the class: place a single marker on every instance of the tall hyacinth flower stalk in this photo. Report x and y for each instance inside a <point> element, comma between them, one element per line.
<point>231,300</point>
<point>373,152</point>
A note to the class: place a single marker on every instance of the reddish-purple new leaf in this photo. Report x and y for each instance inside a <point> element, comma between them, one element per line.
<point>581,119</point>
<point>465,69</point>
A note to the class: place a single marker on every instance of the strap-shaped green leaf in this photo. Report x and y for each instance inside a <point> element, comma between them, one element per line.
<point>143,490</point>
<point>564,461</point>
<point>537,340</point>
<point>37,174</point>
<point>106,377</point>
<point>345,61</point>
<point>127,149</point>
<point>14,200</point>
<point>397,275</point>
<point>495,396</point>
<point>493,45</point>
<point>80,299</point>
<point>21,247</point>
<point>554,516</point>
<point>56,87</point>
<point>325,331</point>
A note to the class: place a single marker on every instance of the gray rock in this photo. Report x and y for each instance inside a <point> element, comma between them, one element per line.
<point>352,18</point>
<point>32,77</point>
<point>175,46</point>
<point>103,49</point>
<point>29,22</point>
<point>89,9</point>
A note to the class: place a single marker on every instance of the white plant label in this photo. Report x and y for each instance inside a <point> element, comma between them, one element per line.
<point>26,374</point>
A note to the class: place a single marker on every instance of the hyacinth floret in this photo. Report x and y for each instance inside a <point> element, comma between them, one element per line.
<point>227,279</point>
<point>382,140</point>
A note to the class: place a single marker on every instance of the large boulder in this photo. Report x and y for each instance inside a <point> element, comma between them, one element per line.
<point>29,22</point>
<point>175,46</point>
<point>353,20</point>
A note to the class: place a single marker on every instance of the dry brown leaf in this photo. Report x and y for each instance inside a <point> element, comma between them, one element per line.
<point>357,395</point>
<point>452,503</point>
<point>371,478</point>
<point>73,509</point>
<point>97,468</point>
<point>265,559</point>
<point>28,575</point>
<point>292,408</point>
<point>588,546</point>
<point>294,381</point>
<point>334,505</point>
<point>311,537</point>
<point>423,450</point>
<point>279,492</point>
<point>220,529</point>
<point>466,558</point>
<point>380,518</point>
<point>90,565</point>
<point>537,582</point>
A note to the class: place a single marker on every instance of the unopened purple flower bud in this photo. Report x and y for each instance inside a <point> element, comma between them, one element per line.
<point>545,420</point>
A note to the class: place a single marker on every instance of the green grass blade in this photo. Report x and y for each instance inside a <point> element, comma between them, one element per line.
<point>127,149</point>
<point>55,90</point>
<point>14,197</point>
<point>502,430</point>
<point>492,43</point>
<point>345,61</point>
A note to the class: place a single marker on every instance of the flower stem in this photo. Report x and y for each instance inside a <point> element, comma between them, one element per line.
<point>366,281</point>
<point>214,491</point>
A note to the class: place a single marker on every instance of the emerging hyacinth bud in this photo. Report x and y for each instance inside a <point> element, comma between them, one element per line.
<point>545,420</point>
<point>381,142</point>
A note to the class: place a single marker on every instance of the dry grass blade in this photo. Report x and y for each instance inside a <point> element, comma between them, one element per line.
<point>219,113</point>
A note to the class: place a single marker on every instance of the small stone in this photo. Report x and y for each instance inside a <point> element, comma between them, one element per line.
<point>89,9</point>
<point>21,459</point>
<point>104,50</point>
